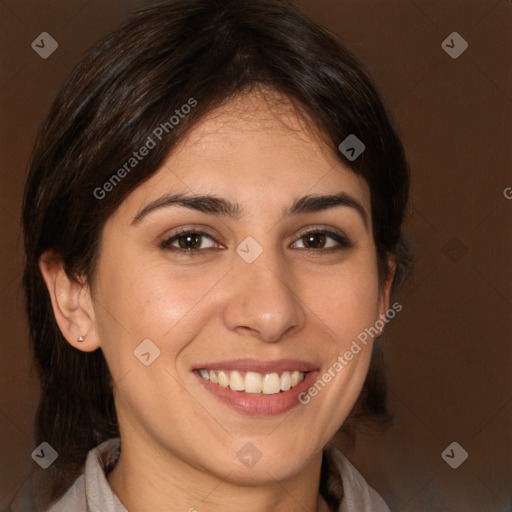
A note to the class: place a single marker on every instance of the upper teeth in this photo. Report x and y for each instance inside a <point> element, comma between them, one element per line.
<point>252,382</point>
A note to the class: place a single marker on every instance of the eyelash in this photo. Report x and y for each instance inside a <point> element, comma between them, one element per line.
<point>344,243</point>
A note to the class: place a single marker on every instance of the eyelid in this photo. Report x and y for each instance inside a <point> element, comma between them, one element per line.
<point>165,243</point>
<point>343,241</point>
<point>322,229</point>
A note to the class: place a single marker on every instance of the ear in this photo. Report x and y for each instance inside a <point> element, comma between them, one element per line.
<point>386,286</point>
<point>72,304</point>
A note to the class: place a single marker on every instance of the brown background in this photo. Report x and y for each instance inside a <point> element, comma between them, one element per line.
<point>449,351</point>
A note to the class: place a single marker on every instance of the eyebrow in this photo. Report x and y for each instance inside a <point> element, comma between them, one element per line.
<point>218,206</point>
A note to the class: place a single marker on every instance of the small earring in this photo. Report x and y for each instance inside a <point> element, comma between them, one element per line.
<point>81,338</point>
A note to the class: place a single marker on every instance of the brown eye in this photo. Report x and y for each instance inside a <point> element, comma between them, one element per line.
<point>190,241</point>
<point>318,240</point>
<point>313,240</point>
<point>187,241</point>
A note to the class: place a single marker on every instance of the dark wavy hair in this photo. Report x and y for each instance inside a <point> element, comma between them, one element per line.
<point>126,85</point>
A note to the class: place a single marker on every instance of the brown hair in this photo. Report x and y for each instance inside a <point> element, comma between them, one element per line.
<point>127,85</point>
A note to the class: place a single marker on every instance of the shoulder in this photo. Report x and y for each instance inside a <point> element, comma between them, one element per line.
<point>74,499</point>
<point>33,495</point>
<point>358,495</point>
<point>91,491</point>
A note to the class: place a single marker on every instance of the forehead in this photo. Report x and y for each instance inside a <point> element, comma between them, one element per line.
<point>253,149</point>
<point>262,120</point>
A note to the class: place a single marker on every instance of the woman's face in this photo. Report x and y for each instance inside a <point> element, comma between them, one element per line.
<point>252,293</point>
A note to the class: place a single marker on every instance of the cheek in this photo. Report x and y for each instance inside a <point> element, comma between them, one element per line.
<point>137,301</point>
<point>345,301</point>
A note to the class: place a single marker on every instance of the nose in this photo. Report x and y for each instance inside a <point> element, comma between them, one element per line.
<point>263,301</point>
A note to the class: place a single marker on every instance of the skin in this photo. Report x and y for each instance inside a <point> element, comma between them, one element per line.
<point>179,443</point>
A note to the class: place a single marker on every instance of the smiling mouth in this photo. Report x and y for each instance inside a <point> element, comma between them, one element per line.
<point>253,382</point>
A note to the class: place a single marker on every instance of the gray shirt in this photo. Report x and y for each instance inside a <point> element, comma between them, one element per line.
<point>347,489</point>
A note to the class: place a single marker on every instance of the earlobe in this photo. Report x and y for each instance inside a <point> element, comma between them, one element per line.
<point>71,303</point>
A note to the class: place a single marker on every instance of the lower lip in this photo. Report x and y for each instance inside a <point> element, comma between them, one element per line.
<point>257,404</point>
